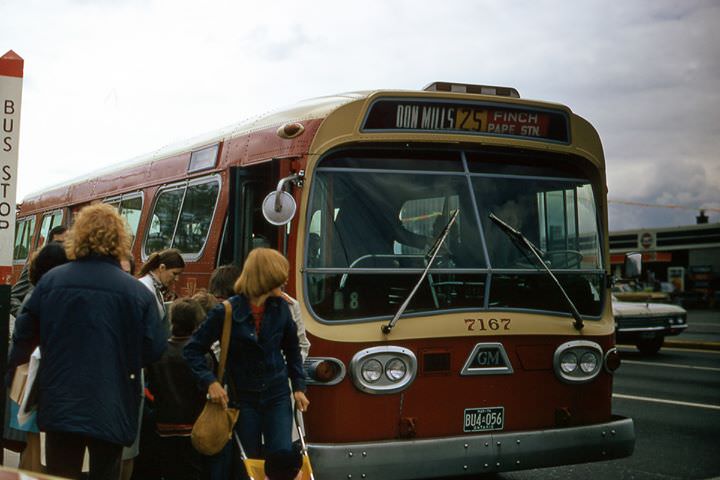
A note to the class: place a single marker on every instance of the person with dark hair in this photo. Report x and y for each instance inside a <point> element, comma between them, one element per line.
<point>57,234</point>
<point>23,285</point>
<point>49,257</point>
<point>178,399</point>
<point>96,327</point>
<point>159,273</point>
<point>283,465</point>
<point>222,281</point>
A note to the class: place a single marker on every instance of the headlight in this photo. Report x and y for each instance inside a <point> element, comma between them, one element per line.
<point>371,371</point>
<point>588,362</point>
<point>395,370</point>
<point>383,370</point>
<point>577,361</point>
<point>568,362</point>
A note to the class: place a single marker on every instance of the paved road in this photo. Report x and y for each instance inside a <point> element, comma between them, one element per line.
<point>703,326</point>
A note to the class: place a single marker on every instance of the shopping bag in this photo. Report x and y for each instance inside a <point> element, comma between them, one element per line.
<point>18,384</point>
<point>28,403</point>
<point>213,428</point>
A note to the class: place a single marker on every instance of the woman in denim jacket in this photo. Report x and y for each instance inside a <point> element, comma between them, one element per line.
<point>263,331</point>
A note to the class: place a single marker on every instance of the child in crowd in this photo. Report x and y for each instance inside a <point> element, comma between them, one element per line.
<point>178,400</point>
<point>222,281</point>
<point>206,300</point>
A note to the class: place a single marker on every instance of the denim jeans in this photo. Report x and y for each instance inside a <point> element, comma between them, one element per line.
<point>268,415</point>
<point>264,416</point>
<point>220,466</point>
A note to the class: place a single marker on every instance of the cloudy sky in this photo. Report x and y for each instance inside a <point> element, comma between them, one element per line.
<point>107,80</point>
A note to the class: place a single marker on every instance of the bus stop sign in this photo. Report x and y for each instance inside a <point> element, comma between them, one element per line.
<point>11,72</point>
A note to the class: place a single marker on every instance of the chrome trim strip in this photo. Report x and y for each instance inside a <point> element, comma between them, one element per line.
<point>475,454</point>
<point>642,329</point>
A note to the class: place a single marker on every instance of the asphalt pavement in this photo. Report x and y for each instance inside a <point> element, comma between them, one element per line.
<point>703,332</point>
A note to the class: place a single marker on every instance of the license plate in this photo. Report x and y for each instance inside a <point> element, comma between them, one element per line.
<point>483,419</point>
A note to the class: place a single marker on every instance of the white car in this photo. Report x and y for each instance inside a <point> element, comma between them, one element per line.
<point>647,324</point>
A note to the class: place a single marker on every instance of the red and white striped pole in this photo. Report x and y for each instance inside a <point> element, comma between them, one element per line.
<point>11,77</point>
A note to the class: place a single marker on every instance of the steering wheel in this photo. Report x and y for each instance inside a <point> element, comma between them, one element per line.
<point>565,258</point>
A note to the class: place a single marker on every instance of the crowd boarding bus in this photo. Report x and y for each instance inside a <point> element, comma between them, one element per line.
<point>448,247</point>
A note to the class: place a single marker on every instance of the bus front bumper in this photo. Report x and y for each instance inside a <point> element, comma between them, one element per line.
<point>474,454</point>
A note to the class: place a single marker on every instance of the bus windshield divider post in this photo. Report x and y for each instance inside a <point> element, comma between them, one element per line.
<point>522,240</point>
<point>432,253</point>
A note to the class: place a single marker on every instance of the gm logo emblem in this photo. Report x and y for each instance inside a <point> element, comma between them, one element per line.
<point>487,359</point>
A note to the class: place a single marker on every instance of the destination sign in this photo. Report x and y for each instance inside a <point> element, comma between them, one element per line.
<point>482,119</point>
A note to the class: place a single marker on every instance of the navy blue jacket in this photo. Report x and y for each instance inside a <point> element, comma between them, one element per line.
<point>97,327</point>
<point>253,364</point>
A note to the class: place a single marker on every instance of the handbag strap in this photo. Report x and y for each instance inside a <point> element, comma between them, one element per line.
<point>225,340</point>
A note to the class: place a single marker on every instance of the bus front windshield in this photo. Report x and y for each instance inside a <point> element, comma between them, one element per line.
<point>373,219</point>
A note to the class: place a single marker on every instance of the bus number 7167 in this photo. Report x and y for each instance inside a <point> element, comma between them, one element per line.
<point>481,324</point>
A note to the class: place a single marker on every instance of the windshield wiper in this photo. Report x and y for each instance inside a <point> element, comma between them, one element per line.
<point>432,253</point>
<point>521,240</point>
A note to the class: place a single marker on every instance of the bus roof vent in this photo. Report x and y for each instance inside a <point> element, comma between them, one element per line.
<point>469,88</point>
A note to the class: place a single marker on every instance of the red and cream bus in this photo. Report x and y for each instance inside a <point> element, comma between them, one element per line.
<point>449,249</point>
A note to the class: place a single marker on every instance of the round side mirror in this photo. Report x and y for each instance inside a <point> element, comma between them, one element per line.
<point>278,207</point>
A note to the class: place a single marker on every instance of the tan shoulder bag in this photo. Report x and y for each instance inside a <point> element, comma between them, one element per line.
<point>214,426</point>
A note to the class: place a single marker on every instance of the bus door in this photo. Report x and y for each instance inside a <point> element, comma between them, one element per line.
<point>245,228</point>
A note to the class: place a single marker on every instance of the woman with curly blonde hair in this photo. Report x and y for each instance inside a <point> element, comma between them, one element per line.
<point>96,327</point>
<point>99,230</point>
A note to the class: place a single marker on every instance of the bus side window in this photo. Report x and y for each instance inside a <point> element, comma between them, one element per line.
<point>195,218</point>
<point>49,220</point>
<point>23,234</point>
<point>130,210</point>
<point>44,229</point>
<point>164,218</point>
<point>182,216</point>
